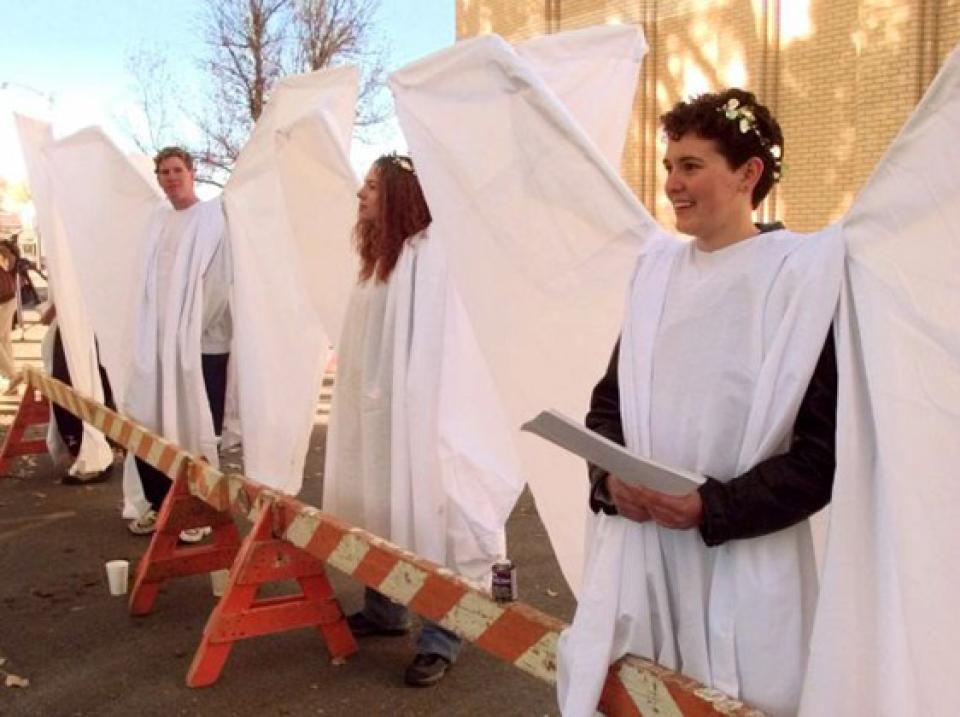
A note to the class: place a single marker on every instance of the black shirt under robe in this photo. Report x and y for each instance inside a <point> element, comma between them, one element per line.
<point>776,493</point>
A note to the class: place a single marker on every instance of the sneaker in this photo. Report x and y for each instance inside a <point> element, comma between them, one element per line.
<point>194,535</point>
<point>87,478</point>
<point>425,670</point>
<point>145,524</point>
<point>362,626</point>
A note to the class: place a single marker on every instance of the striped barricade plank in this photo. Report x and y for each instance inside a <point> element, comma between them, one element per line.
<point>514,632</point>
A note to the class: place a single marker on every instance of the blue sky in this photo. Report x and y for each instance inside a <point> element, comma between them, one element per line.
<point>74,52</point>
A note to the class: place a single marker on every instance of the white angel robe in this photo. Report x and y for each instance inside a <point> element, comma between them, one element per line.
<point>716,353</point>
<point>417,450</point>
<point>534,256</point>
<point>73,322</point>
<point>887,627</point>
<point>183,312</point>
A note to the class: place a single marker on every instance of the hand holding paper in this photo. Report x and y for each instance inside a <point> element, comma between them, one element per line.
<point>613,458</point>
<point>641,504</point>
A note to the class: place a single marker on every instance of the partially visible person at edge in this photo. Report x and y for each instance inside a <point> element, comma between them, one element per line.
<point>727,580</point>
<point>9,285</point>
<point>192,227</point>
<point>68,426</point>
<point>362,476</point>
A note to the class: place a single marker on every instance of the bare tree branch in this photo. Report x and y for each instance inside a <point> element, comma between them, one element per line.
<point>336,32</point>
<point>251,44</point>
<point>151,127</point>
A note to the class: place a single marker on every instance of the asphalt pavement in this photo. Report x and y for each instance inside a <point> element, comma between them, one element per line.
<point>83,654</point>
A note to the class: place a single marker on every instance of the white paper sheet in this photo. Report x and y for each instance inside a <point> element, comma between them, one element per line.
<point>612,457</point>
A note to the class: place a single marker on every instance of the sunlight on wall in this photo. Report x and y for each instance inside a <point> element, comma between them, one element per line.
<point>694,81</point>
<point>796,22</point>
<point>735,73</point>
<point>486,23</point>
<point>613,20</point>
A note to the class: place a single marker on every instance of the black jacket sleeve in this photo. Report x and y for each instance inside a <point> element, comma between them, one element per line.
<point>784,489</point>
<point>776,493</point>
<point>604,418</point>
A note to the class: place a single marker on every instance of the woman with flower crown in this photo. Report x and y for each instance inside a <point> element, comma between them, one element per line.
<point>724,364</point>
<point>416,449</point>
<point>725,368</point>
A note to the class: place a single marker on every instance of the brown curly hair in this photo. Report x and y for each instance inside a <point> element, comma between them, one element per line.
<point>703,115</point>
<point>402,213</point>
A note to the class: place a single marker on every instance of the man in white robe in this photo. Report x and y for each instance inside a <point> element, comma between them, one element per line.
<point>177,386</point>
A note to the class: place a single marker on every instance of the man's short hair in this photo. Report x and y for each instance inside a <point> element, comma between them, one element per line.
<point>168,152</point>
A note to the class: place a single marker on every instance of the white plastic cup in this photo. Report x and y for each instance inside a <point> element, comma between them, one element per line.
<point>218,582</point>
<point>117,575</point>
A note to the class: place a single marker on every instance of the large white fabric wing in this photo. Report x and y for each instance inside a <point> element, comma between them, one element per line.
<point>593,72</point>
<point>541,236</point>
<point>290,207</point>
<point>76,331</point>
<point>887,625</point>
<point>106,206</point>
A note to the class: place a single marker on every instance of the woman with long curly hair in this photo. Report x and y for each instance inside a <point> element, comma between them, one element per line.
<point>414,450</point>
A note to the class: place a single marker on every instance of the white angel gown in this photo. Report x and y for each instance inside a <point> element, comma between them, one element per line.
<point>717,351</point>
<point>418,450</point>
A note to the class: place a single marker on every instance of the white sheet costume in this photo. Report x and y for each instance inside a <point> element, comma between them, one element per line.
<point>183,312</point>
<point>290,194</point>
<point>417,449</point>
<point>716,353</point>
<point>419,446</point>
<point>546,210</point>
<point>72,321</point>
<point>516,155</point>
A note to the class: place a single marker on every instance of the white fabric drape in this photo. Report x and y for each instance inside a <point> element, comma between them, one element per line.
<point>290,206</point>
<point>513,161</point>
<point>519,189</point>
<point>166,391</point>
<point>887,626</point>
<point>76,332</point>
<point>404,459</point>
<point>737,617</point>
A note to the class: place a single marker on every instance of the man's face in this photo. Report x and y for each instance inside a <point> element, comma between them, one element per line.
<point>176,181</point>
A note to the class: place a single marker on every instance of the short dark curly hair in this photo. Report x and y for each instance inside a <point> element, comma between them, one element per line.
<point>168,152</point>
<point>705,117</point>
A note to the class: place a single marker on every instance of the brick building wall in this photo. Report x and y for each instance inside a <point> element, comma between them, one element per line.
<point>842,76</point>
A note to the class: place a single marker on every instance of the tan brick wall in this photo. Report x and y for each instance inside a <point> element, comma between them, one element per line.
<point>842,76</point>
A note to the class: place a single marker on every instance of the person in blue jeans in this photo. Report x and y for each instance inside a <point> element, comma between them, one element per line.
<point>379,468</point>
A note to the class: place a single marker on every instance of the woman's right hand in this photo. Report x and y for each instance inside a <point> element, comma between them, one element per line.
<point>628,500</point>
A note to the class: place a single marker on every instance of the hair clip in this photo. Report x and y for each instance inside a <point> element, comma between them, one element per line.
<point>405,163</point>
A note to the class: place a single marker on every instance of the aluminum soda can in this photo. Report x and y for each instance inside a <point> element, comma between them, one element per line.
<point>504,581</point>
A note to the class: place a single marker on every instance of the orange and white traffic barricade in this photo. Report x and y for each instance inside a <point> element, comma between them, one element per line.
<point>293,540</point>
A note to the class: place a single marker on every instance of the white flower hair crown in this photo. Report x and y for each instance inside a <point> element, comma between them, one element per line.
<point>405,163</point>
<point>747,122</point>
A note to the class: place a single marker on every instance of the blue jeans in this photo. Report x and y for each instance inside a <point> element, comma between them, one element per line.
<point>433,639</point>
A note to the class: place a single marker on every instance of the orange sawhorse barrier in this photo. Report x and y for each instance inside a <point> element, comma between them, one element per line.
<point>264,558</point>
<point>166,558</point>
<point>34,410</point>
<point>514,632</point>
<point>261,558</point>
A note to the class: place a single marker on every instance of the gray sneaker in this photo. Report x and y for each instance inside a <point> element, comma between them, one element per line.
<point>194,535</point>
<point>426,669</point>
<point>145,524</point>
